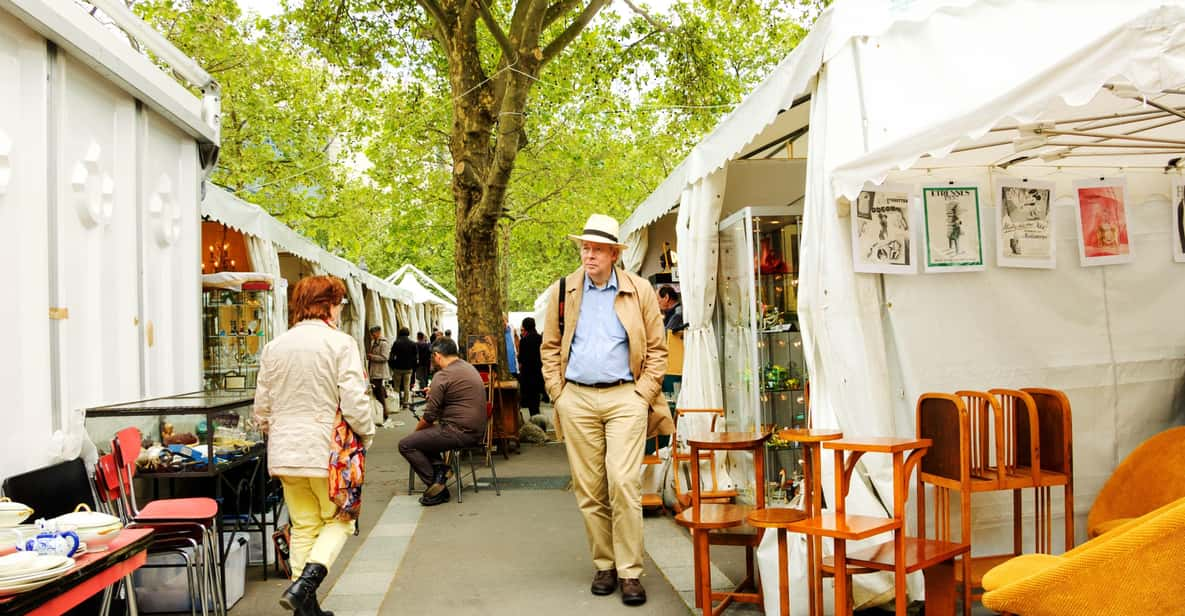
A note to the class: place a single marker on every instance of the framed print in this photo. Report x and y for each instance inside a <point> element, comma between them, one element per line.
<point>482,350</point>
<point>953,227</point>
<point>1104,235</point>
<point>1178,216</point>
<point>1024,224</point>
<point>883,231</point>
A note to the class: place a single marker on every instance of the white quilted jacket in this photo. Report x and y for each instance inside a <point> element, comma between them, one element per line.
<point>304,375</point>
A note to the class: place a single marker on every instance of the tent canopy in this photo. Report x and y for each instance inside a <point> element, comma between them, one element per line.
<point>221,205</point>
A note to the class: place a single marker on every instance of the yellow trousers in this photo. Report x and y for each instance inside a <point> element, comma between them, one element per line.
<point>605,435</point>
<point>316,535</point>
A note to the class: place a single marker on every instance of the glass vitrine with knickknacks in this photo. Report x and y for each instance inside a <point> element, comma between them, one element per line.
<point>763,371</point>
<point>236,324</point>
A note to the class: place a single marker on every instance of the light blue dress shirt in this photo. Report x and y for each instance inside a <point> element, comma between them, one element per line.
<point>600,350</point>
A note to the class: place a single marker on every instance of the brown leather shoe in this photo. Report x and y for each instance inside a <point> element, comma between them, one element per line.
<point>632,592</point>
<point>604,582</point>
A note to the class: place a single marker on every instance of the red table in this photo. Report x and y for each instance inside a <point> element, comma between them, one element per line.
<point>91,574</point>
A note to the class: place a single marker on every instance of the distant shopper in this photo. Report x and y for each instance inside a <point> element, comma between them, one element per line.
<point>454,417</point>
<point>671,306</point>
<point>511,345</point>
<point>403,364</point>
<point>423,359</point>
<point>306,374</point>
<point>376,363</point>
<point>530,366</point>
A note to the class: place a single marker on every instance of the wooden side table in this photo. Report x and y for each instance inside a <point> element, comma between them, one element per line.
<point>703,518</point>
<point>843,527</point>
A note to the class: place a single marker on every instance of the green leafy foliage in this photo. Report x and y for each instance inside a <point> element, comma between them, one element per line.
<point>339,118</point>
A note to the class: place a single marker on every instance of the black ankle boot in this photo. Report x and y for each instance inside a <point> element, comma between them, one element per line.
<point>301,596</point>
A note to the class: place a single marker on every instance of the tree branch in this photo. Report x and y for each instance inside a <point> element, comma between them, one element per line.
<point>647,16</point>
<point>496,30</point>
<point>438,19</point>
<point>558,10</point>
<point>573,30</point>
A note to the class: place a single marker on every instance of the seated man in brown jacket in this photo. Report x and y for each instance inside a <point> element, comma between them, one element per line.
<point>454,417</point>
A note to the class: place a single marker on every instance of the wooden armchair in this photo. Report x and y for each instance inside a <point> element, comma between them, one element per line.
<point>1133,569</point>
<point>1151,476</point>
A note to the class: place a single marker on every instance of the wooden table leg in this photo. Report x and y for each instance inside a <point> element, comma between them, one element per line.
<point>783,575</point>
<point>842,607</point>
<point>704,577</point>
<point>940,589</point>
<point>695,571</point>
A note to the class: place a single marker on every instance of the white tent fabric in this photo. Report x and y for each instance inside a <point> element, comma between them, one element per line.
<point>263,258</point>
<point>698,238</point>
<point>634,255</point>
<point>903,80</point>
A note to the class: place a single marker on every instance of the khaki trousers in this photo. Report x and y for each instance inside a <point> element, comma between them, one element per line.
<point>605,435</point>
<point>317,536</point>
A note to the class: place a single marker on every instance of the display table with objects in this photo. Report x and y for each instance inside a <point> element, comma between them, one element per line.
<point>201,436</point>
<point>87,575</point>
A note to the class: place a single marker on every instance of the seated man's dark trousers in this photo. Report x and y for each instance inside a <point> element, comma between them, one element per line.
<point>423,449</point>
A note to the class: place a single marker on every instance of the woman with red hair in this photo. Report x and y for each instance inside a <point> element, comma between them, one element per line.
<point>305,376</point>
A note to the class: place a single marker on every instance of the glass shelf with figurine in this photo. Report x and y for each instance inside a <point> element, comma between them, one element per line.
<point>236,324</point>
<point>764,374</point>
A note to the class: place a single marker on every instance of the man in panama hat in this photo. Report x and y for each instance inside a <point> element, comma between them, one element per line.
<point>604,354</point>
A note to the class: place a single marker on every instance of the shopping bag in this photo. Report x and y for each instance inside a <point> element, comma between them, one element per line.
<point>347,465</point>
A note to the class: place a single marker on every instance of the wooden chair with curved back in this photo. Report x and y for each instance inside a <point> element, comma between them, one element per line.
<point>679,456</point>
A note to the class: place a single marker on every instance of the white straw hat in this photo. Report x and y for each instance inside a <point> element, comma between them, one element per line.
<point>601,229</point>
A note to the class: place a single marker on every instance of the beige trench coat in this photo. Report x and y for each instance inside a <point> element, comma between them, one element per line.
<point>636,306</point>
<point>304,375</point>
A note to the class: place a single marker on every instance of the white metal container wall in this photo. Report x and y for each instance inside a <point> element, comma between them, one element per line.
<point>25,363</point>
<point>97,260</point>
<point>170,237</point>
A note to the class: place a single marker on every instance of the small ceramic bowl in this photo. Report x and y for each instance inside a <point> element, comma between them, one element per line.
<point>12,514</point>
<point>98,537</point>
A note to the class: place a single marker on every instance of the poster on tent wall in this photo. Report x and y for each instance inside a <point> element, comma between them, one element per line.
<point>1104,236</point>
<point>953,227</point>
<point>1178,211</point>
<point>1024,224</point>
<point>882,231</point>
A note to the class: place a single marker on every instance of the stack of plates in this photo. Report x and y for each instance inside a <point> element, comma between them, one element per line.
<point>24,571</point>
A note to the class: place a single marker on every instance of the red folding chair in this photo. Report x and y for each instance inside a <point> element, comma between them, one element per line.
<point>202,511</point>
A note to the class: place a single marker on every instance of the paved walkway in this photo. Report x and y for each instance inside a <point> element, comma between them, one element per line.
<point>519,553</point>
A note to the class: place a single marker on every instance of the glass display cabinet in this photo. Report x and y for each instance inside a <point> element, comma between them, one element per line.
<point>236,325</point>
<point>763,370</point>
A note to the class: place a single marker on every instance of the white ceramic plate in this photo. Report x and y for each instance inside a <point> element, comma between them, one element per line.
<point>16,590</point>
<point>17,563</point>
<point>65,565</point>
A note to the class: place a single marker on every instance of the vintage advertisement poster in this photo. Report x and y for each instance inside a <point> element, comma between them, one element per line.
<point>882,231</point>
<point>1104,236</point>
<point>1024,224</point>
<point>1178,217</point>
<point>953,227</point>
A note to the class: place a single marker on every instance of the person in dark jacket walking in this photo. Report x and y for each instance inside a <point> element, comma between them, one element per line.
<point>424,359</point>
<point>403,363</point>
<point>530,366</point>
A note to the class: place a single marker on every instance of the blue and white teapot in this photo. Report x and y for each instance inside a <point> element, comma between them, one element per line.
<point>52,541</point>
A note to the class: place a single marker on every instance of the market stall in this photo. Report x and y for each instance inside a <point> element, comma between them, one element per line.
<point>436,308</point>
<point>102,153</point>
<point>985,95</point>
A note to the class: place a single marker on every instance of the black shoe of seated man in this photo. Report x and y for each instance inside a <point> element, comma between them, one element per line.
<point>632,592</point>
<point>431,501</point>
<point>604,582</point>
<point>301,596</point>
<point>440,477</point>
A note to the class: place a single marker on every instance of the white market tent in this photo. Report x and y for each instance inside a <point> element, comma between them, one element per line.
<point>373,301</point>
<point>101,158</point>
<point>435,306</point>
<point>915,92</point>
